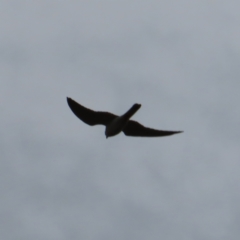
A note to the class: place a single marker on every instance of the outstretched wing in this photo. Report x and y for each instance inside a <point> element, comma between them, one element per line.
<point>89,116</point>
<point>135,129</point>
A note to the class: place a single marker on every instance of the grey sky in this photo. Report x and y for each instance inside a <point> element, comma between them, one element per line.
<point>61,179</point>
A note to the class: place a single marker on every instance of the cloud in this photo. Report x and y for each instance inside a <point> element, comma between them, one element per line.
<point>62,179</point>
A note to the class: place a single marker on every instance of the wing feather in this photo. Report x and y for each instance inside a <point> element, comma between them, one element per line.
<point>136,129</point>
<point>89,116</point>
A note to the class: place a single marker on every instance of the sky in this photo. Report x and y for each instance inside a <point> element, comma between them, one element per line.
<point>61,179</point>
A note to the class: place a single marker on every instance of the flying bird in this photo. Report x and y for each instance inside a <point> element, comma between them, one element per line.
<point>115,124</point>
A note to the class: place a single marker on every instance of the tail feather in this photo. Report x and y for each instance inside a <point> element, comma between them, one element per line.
<point>132,111</point>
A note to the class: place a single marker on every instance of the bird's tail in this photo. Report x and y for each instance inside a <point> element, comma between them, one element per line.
<point>132,111</point>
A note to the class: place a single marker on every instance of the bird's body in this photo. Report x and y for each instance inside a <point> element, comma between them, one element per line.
<point>118,123</point>
<point>115,124</point>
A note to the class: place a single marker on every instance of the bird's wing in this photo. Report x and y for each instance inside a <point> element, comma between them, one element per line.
<point>89,116</point>
<point>135,129</point>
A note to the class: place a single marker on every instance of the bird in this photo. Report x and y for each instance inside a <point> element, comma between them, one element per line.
<point>116,124</point>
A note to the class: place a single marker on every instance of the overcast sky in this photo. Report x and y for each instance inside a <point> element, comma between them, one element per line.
<point>61,179</point>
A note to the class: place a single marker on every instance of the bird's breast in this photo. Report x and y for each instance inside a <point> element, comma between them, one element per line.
<point>115,127</point>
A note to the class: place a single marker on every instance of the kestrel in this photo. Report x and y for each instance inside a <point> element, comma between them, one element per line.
<point>115,124</point>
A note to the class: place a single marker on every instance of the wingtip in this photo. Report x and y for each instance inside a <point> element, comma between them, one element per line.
<point>176,132</point>
<point>69,99</point>
<point>179,131</point>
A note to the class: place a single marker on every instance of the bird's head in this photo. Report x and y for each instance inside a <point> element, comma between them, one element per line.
<point>106,134</point>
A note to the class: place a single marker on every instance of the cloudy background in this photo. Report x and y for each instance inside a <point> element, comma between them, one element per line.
<point>61,179</point>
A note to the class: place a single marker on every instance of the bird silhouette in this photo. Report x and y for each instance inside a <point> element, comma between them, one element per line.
<point>115,124</point>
